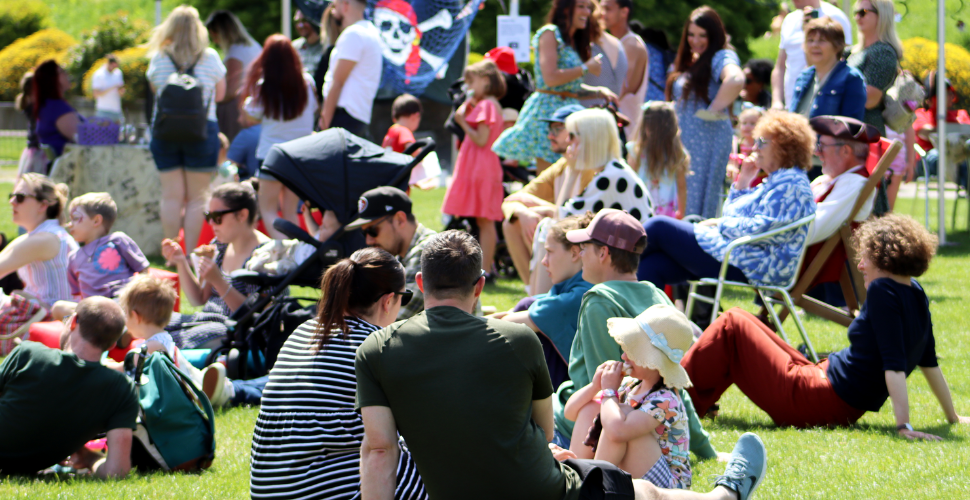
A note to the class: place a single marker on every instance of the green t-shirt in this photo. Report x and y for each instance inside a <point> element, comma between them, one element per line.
<point>592,345</point>
<point>51,403</point>
<point>461,390</point>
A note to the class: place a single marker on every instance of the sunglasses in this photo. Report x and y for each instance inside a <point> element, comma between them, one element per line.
<point>555,129</point>
<point>863,12</point>
<point>761,142</point>
<point>373,230</point>
<point>215,217</point>
<point>406,296</point>
<point>20,197</point>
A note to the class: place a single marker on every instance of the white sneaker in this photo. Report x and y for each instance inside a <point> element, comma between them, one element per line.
<point>214,384</point>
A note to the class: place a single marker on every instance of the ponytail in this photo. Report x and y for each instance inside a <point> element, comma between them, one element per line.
<point>351,287</point>
<point>44,189</point>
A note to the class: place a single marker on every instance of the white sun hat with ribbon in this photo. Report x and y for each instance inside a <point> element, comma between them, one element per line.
<point>658,338</point>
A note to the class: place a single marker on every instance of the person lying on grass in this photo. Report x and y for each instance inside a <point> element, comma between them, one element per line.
<point>892,335</point>
<point>654,442</point>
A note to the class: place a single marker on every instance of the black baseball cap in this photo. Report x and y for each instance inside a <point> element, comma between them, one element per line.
<point>379,202</point>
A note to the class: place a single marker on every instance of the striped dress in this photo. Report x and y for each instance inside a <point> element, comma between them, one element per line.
<point>307,438</point>
<point>47,279</point>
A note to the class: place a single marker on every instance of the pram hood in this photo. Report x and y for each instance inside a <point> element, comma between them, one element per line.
<point>332,169</point>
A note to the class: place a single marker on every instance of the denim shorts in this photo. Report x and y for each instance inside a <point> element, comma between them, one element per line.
<point>201,156</point>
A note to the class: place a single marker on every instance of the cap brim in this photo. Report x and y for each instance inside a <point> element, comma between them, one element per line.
<point>357,224</point>
<point>578,236</point>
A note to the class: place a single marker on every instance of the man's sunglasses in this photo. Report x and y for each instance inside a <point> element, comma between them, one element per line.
<point>20,197</point>
<point>406,296</point>
<point>215,217</point>
<point>373,230</point>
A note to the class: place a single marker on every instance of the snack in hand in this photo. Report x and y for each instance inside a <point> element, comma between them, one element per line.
<point>205,251</point>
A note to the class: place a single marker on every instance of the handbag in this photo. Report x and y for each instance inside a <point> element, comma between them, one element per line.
<point>901,100</point>
<point>97,131</point>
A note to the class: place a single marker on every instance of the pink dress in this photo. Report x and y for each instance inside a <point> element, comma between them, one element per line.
<point>476,187</point>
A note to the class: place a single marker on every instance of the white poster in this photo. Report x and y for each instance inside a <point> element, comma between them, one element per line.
<point>513,32</point>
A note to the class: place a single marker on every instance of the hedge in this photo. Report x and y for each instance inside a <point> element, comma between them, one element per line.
<point>22,18</point>
<point>26,53</point>
<point>920,56</point>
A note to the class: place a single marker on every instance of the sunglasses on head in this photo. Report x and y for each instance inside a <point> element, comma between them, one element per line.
<point>373,230</point>
<point>20,197</point>
<point>215,216</point>
<point>406,296</point>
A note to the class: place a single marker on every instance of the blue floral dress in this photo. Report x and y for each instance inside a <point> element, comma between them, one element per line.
<point>528,139</point>
<point>709,143</point>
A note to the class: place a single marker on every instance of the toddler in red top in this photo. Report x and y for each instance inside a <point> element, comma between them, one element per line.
<point>406,113</point>
<point>476,186</point>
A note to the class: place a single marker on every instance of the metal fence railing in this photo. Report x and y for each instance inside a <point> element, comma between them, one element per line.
<point>12,143</point>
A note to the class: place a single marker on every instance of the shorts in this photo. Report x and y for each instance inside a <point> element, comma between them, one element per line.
<point>115,116</point>
<point>200,156</point>
<point>342,119</point>
<point>660,474</point>
<point>602,480</point>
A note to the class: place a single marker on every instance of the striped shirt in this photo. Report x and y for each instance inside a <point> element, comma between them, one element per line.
<point>47,279</point>
<point>208,70</point>
<point>307,439</point>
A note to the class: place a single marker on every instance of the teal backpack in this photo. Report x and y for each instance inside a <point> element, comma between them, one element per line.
<point>176,426</point>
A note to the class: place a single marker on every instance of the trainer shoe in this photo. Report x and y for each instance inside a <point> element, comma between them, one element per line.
<point>747,467</point>
<point>214,384</point>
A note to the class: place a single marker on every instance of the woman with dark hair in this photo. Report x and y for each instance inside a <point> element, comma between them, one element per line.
<point>39,257</point>
<point>308,437</point>
<point>228,33</point>
<point>892,335</point>
<point>232,214</point>
<point>561,47</point>
<point>56,120</point>
<point>281,94</point>
<point>32,159</point>
<point>706,80</point>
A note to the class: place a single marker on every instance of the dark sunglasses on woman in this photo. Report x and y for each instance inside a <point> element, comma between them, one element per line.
<point>863,12</point>
<point>215,217</point>
<point>406,296</point>
<point>20,197</point>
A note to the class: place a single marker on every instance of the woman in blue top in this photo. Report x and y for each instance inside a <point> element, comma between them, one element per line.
<point>706,80</point>
<point>829,86</point>
<point>561,47</point>
<point>678,251</point>
<point>56,120</point>
<point>892,335</point>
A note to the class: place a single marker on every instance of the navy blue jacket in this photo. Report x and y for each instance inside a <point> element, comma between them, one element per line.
<point>844,94</point>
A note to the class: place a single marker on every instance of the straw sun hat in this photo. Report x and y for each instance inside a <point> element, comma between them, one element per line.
<point>658,338</point>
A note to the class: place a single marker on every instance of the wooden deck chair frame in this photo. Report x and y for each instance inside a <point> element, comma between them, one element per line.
<point>851,281</point>
<point>720,282</point>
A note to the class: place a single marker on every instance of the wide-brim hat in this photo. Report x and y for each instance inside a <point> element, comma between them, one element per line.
<point>658,338</point>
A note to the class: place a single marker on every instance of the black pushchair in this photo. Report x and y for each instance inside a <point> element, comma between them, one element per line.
<point>328,171</point>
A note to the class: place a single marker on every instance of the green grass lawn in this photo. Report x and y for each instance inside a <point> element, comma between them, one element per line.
<point>865,461</point>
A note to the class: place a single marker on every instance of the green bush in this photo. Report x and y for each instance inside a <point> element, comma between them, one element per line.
<point>261,19</point>
<point>21,18</point>
<point>26,53</point>
<point>921,55</point>
<point>113,33</point>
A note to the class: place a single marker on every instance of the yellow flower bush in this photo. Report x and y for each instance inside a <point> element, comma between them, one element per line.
<point>133,63</point>
<point>26,53</point>
<point>920,56</point>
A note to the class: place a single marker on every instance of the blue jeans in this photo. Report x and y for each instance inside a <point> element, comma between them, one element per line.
<point>561,440</point>
<point>248,392</point>
<point>673,256</point>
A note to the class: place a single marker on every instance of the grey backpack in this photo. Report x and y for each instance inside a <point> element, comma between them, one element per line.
<point>181,111</point>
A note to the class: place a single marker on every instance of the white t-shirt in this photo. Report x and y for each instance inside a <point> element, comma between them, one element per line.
<point>244,53</point>
<point>278,131</point>
<point>361,43</point>
<point>792,37</point>
<point>178,358</point>
<point>208,70</point>
<point>103,79</point>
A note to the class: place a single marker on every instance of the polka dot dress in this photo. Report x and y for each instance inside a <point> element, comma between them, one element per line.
<point>617,186</point>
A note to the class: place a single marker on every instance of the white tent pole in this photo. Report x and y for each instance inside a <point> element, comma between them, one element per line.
<point>941,105</point>
<point>158,12</point>
<point>514,7</point>
<point>287,19</point>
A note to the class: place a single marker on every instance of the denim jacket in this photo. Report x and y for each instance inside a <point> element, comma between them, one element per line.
<point>784,197</point>
<point>844,93</point>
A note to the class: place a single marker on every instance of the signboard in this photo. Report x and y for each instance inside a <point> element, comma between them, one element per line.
<point>513,32</point>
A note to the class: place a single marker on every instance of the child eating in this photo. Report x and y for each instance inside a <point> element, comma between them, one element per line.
<point>638,423</point>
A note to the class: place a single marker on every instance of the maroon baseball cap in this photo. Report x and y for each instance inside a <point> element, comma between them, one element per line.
<point>611,227</point>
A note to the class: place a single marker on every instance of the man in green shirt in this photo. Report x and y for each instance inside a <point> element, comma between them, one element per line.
<point>611,248</point>
<point>53,401</point>
<point>472,398</point>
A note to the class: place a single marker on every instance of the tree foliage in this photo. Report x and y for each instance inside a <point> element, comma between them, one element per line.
<point>113,33</point>
<point>261,19</point>
<point>26,53</point>
<point>21,18</point>
<point>743,19</point>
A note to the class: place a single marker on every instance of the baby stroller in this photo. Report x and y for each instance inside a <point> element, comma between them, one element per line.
<point>328,171</point>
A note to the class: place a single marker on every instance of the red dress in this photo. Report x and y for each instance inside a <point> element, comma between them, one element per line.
<point>476,187</point>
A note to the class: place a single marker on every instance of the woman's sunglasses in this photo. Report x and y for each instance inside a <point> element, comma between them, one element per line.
<point>761,142</point>
<point>20,197</point>
<point>863,12</point>
<point>215,217</point>
<point>406,296</point>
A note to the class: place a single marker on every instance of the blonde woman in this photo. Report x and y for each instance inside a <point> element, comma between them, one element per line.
<point>228,33</point>
<point>185,168</point>
<point>877,54</point>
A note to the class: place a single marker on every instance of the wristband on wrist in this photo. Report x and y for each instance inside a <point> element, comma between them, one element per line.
<point>610,393</point>
<point>584,68</point>
<point>904,427</point>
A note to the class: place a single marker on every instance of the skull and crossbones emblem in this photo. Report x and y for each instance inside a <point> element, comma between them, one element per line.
<point>401,33</point>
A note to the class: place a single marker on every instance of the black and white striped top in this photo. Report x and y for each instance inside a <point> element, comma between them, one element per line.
<point>307,438</point>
